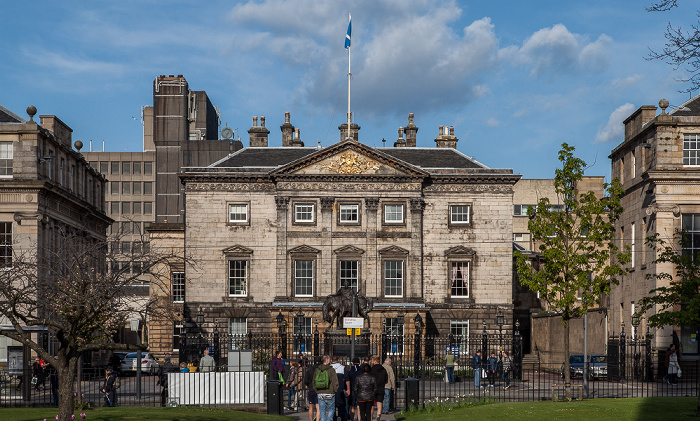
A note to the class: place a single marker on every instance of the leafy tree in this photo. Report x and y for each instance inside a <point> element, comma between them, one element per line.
<point>78,291</point>
<point>576,242</point>
<point>677,301</point>
<point>682,47</point>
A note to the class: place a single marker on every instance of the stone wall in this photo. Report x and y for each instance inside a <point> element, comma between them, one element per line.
<point>548,336</point>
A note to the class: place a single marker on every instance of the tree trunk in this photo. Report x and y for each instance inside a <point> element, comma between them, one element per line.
<point>66,385</point>
<point>567,370</point>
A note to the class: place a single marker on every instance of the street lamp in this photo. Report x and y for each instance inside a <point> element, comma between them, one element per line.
<point>300,329</point>
<point>635,324</point>
<point>200,317</point>
<point>500,320</point>
<point>282,328</point>
<point>418,322</point>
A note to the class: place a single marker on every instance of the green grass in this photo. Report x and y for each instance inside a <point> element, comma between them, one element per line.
<point>628,409</point>
<point>132,413</point>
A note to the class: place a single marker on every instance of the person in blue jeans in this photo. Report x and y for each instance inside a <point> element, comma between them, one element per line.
<point>476,365</point>
<point>450,366</point>
<point>491,368</point>
<point>326,395</point>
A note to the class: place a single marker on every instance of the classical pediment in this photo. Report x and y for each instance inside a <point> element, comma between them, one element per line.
<point>237,249</point>
<point>393,250</point>
<point>349,158</point>
<point>459,251</point>
<point>348,250</point>
<point>304,249</point>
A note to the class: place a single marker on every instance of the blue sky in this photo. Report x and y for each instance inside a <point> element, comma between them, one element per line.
<point>514,78</point>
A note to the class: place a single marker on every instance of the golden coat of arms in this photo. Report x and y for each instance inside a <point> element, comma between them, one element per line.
<point>351,163</point>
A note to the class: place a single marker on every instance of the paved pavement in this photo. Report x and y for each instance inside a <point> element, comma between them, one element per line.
<point>304,416</point>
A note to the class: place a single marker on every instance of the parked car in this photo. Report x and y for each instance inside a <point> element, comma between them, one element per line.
<point>575,366</point>
<point>597,368</point>
<point>149,365</point>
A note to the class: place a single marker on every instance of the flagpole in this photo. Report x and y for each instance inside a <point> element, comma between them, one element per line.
<point>349,74</point>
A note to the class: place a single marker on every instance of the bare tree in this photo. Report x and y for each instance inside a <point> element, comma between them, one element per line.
<point>78,290</point>
<point>682,48</point>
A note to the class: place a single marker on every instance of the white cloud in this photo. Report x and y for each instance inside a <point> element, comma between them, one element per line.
<point>614,130</point>
<point>492,122</point>
<point>555,49</point>
<point>626,82</point>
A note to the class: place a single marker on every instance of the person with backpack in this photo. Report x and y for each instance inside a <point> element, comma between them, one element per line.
<point>112,383</point>
<point>311,396</point>
<point>325,384</point>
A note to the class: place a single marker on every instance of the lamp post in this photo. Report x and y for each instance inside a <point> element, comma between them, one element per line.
<point>300,331</point>
<point>418,321</point>
<point>517,358</point>
<point>500,321</point>
<point>135,328</point>
<point>635,325</point>
<point>399,334</point>
<point>282,330</point>
<point>484,341</point>
<point>199,325</point>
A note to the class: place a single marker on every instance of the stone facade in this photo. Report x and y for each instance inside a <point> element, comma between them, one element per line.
<point>47,191</point>
<point>660,173</point>
<point>274,230</point>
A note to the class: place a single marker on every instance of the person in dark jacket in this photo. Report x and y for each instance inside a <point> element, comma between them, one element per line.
<point>343,388</point>
<point>491,367</point>
<point>476,365</point>
<point>168,367</point>
<point>109,388</point>
<point>38,372</point>
<point>312,396</point>
<point>354,372</point>
<point>380,377</point>
<point>364,391</point>
<point>277,369</point>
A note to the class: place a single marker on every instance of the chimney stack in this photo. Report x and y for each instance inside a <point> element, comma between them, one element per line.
<point>354,131</point>
<point>400,142</point>
<point>258,134</point>
<point>411,130</point>
<point>297,140</point>
<point>446,137</point>
<point>287,130</point>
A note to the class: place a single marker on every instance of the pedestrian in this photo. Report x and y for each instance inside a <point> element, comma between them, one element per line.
<point>450,366</point>
<point>311,395</point>
<point>389,386</point>
<point>354,372</point>
<point>673,365</point>
<point>293,380</point>
<point>38,374</point>
<point>277,367</point>
<point>184,368</point>
<point>380,377</point>
<point>110,388</point>
<point>343,388</point>
<point>476,365</point>
<point>325,382</point>
<point>364,391</point>
<point>206,363</point>
<point>52,374</point>
<point>168,367</point>
<point>491,368</point>
<point>506,370</point>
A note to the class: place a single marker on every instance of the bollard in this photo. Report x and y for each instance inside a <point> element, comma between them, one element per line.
<point>412,393</point>
<point>274,398</point>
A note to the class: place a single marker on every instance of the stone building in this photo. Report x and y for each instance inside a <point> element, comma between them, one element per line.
<point>47,191</point>
<point>273,230</point>
<point>658,163</point>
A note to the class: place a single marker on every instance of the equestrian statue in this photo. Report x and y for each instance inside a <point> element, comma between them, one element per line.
<point>339,305</point>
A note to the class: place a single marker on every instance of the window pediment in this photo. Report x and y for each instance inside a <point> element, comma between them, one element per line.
<point>237,250</point>
<point>460,251</point>
<point>393,250</point>
<point>349,250</point>
<point>304,249</point>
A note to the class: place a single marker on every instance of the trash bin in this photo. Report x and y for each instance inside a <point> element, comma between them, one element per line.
<point>412,393</point>
<point>274,398</point>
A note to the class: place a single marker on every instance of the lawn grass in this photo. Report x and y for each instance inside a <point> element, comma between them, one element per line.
<point>628,409</point>
<point>136,413</point>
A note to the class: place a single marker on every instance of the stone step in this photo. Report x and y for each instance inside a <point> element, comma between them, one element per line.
<point>530,359</point>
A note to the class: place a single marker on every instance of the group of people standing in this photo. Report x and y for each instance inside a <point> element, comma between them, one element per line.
<point>359,391</point>
<point>489,369</point>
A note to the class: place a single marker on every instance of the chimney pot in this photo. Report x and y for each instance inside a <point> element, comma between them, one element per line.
<point>452,131</point>
<point>255,121</point>
<point>286,116</point>
<point>440,130</point>
<point>262,121</point>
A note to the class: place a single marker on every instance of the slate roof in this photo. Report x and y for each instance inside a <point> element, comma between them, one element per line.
<point>689,108</point>
<point>7,116</point>
<point>272,157</point>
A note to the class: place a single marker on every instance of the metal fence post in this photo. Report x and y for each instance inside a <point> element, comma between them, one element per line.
<point>622,345</point>
<point>317,343</point>
<point>517,353</point>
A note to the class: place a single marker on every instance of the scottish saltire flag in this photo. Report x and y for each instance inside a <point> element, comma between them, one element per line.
<point>347,37</point>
